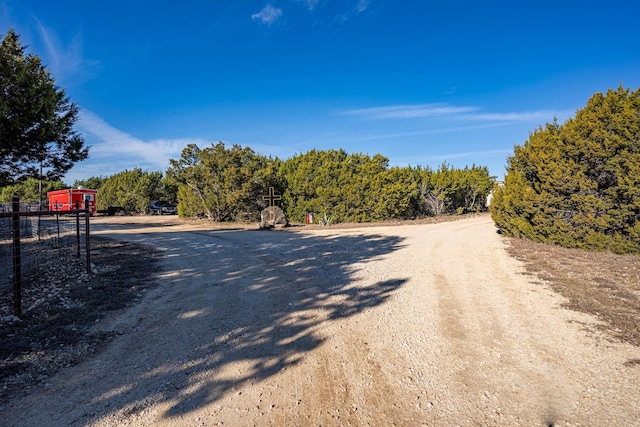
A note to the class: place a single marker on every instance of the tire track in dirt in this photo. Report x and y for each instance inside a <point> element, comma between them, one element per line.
<point>496,362</point>
<point>512,356</point>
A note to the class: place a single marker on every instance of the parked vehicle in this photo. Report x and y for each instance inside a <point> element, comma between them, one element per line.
<point>157,207</point>
<point>111,210</point>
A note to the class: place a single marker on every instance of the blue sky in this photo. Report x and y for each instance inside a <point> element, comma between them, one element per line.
<point>420,82</point>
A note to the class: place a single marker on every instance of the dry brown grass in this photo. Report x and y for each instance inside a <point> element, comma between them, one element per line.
<point>603,284</point>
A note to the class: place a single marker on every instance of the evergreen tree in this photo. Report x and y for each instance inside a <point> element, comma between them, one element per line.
<point>36,119</point>
<point>94,183</point>
<point>224,184</point>
<point>347,187</point>
<point>578,184</point>
<point>393,195</point>
<point>132,190</point>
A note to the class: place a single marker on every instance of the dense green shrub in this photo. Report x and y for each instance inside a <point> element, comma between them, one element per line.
<point>348,187</point>
<point>223,184</point>
<point>361,188</point>
<point>131,190</point>
<point>578,184</point>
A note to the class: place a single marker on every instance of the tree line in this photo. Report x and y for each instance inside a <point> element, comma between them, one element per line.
<point>227,183</point>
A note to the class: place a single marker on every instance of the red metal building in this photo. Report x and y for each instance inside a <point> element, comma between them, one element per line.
<point>64,200</point>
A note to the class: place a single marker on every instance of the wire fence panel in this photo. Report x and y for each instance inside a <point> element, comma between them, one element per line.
<point>45,239</point>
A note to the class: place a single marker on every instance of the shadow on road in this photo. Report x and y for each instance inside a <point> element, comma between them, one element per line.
<point>245,306</point>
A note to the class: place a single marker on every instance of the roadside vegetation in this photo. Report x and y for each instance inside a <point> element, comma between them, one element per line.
<point>227,184</point>
<point>577,184</point>
<point>29,190</point>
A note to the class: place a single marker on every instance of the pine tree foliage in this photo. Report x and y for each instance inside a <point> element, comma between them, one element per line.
<point>36,118</point>
<point>224,184</point>
<point>578,184</point>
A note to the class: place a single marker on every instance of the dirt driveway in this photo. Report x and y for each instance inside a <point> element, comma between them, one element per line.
<point>431,325</point>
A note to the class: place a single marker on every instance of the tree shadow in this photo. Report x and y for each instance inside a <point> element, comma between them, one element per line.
<point>261,309</point>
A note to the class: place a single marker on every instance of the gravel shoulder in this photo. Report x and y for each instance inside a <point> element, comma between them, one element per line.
<point>422,324</point>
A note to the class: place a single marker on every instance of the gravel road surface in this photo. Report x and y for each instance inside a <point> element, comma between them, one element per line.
<point>412,325</point>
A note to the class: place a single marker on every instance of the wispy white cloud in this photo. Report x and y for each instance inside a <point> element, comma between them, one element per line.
<point>524,116</point>
<point>108,143</point>
<point>311,4</point>
<point>453,112</point>
<point>409,134</point>
<point>67,63</point>
<point>362,5</point>
<point>409,111</point>
<point>268,15</point>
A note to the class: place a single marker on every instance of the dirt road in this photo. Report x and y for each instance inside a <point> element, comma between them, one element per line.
<point>431,325</point>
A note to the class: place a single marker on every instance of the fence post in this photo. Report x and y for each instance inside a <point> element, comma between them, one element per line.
<point>17,270</point>
<point>78,228</point>
<point>86,233</point>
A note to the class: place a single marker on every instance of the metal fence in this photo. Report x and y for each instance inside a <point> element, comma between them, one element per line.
<point>31,241</point>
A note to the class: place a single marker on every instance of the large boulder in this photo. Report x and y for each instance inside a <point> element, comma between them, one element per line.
<point>273,216</point>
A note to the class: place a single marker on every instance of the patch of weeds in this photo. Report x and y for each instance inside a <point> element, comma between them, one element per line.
<point>326,220</point>
<point>603,284</point>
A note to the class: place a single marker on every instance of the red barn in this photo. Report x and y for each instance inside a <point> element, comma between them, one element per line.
<point>64,200</point>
